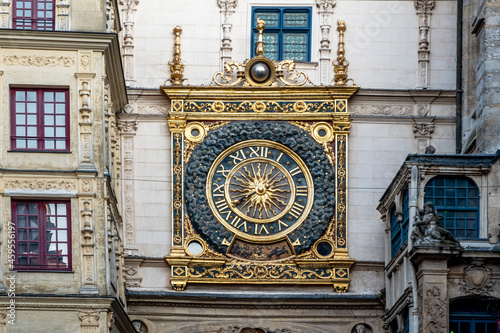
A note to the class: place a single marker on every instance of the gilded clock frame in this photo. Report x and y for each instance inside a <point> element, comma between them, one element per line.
<point>322,112</point>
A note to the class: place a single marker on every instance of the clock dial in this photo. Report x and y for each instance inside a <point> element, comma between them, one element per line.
<point>259,190</point>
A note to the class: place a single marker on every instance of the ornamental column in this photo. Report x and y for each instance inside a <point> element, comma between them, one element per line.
<point>325,11</point>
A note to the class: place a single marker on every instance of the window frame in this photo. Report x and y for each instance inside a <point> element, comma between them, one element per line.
<point>399,229</point>
<point>35,19</point>
<point>40,121</point>
<point>43,263</point>
<point>281,29</point>
<point>445,208</point>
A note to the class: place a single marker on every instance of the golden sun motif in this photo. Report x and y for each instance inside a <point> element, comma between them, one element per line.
<point>260,189</point>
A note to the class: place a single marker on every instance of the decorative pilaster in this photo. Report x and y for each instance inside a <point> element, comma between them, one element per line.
<point>423,132</point>
<point>128,9</point>
<point>110,17</point>
<point>3,320</point>
<point>227,9</point>
<point>62,15</point>
<point>89,321</point>
<point>128,130</point>
<point>85,82</point>
<point>5,14</point>
<point>325,11</point>
<point>424,8</point>
<point>88,247</point>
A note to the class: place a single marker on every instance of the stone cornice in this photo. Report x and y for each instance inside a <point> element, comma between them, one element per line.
<point>72,41</point>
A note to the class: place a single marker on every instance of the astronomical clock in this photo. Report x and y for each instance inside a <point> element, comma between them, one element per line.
<point>259,178</point>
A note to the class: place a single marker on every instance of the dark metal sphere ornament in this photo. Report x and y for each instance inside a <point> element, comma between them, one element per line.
<point>260,72</point>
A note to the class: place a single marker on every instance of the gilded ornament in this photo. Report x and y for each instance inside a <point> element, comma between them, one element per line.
<point>341,65</point>
<point>195,132</point>
<point>176,64</point>
<point>299,106</point>
<point>259,107</point>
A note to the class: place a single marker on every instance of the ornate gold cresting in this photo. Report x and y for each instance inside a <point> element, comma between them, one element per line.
<point>176,64</point>
<point>282,73</point>
<point>341,65</point>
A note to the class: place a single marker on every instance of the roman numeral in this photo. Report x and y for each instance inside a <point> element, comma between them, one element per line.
<point>218,190</point>
<point>221,205</point>
<point>259,228</point>
<point>296,210</point>
<point>238,157</point>
<point>259,151</point>
<point>295,171</point>
<point>302,190</point>
<point>281,223</point>
<point>238,223</point>
<point>279,157</point>
<point>225,172</point>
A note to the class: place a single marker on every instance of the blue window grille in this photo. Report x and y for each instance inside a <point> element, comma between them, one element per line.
<point>399,230</point>
<point>287,34</point>
<point>471,315</point>
<point>457,200</point>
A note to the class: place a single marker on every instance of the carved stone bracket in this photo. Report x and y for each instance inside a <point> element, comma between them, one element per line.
<point>128,9</point>
<point>423,132</point>
<point>89,321</point>
<point>227,9</point>
<point>127,131</point>
<point>131,272</point>
<point>325,11</point>
<point>424,8</point>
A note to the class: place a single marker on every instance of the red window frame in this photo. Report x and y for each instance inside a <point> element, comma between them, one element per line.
<point>34,14</point>
<point>39,119</point>
<point>31,235</point>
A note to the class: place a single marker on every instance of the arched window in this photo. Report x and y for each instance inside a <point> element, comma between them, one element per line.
<point>457,200</point>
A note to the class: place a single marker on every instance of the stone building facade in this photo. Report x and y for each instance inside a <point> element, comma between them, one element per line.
<point>157,96</point>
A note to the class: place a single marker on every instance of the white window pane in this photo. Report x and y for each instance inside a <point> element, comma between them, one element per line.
<point>48,96</point>
<point>60,108</point>
<point>60,132</point>
<point>62,222</point>
<point>49,6</point>
<point>60,96</point>
<point>51,208</point>
<point>20,119</point>
<point>20,144</point>
<point>49,108</point>
<point>49,144</point>
<point>28,13</point>
<point>20,108</point>
<point>48,15</point>
<point>31,119</point>
<point>49,132</point>
<point>40,5</point>
<point>31,107</point>
<point>60,120</point>
<point>49,120</point>
<point>63,248</point>
<point>31,96</point>
<point>60,144</point>
<point>20,131</point>
<point>61,209</point>
<point>32,144</point>
<point>19,12</point>
<point>32,131</point>
<point>20,96</point>
<point>62,236</point>
<point>27,4</point>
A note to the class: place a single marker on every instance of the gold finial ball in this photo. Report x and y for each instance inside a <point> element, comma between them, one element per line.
<point>178,29</point>
<point>261,24</point>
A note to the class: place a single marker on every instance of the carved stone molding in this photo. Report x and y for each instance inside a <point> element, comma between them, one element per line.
<point>127,127</point>
<point>361,328</point>
<point>423,129</point>
<point>85,105</point>
<point>435,309</point>
<point>384,110</point>
<point>227,9</point>
<point>89,321</point>
<point>88,243</point>
<point>477,278</point>
<point>38,61</point>
<point>152,109</point>
<point>424,8</point>
<point>325,11</point>
<point>40,184</point>
<point>111,17</point>
<point>128,9</point>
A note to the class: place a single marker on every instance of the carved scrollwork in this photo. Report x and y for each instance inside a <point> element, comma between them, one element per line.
<point>292,77</point>
<point>228,77</point>
<point>477,278</point>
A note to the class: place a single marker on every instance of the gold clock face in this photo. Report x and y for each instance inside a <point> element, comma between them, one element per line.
<point>259,190</point>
